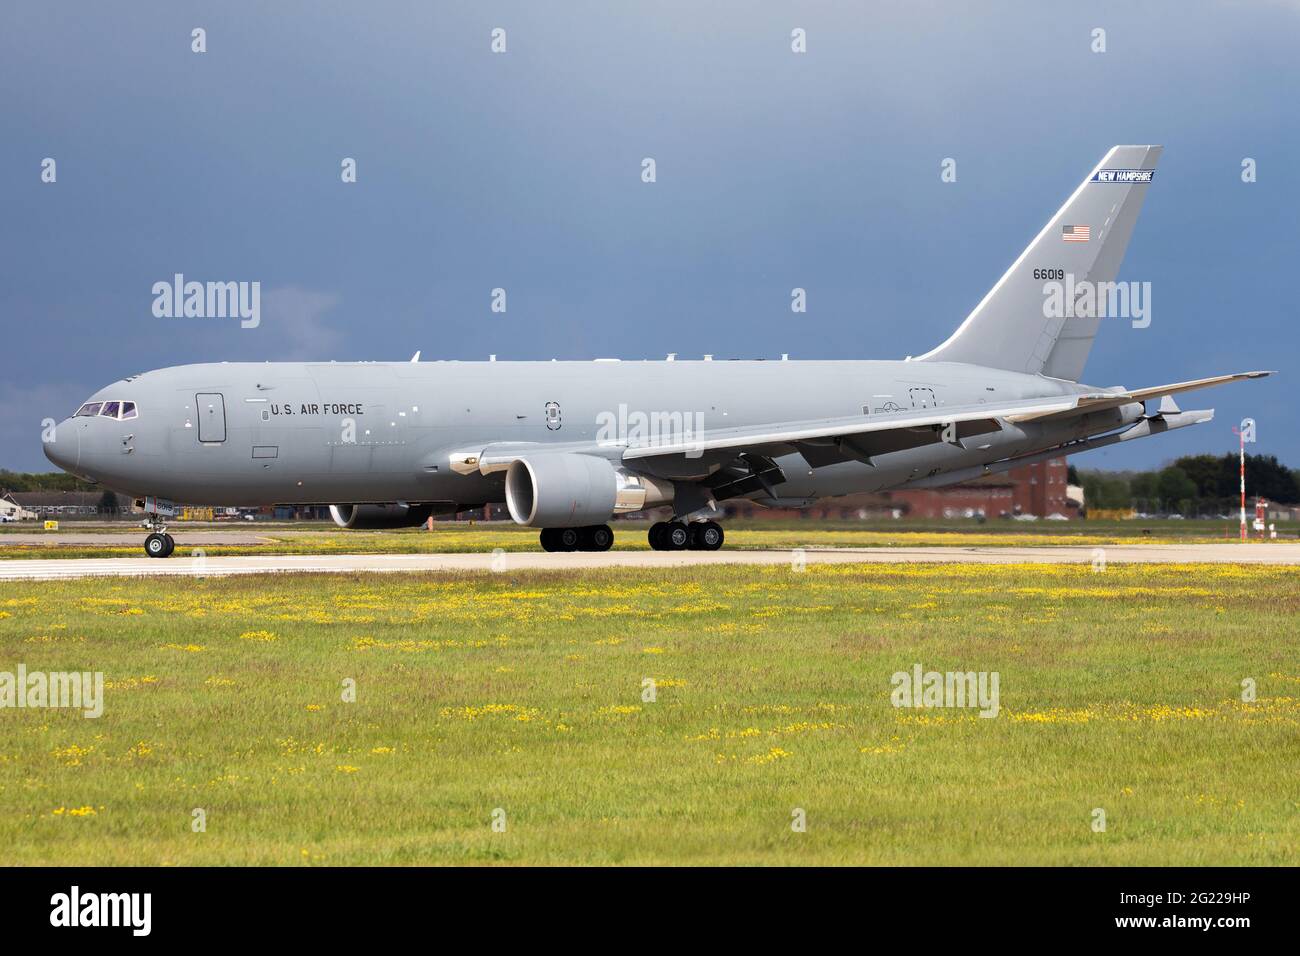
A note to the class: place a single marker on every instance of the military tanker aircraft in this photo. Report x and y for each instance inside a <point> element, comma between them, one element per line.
<point>569,445</point>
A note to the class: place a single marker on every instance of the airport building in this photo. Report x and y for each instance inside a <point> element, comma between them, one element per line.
<point>10,510</point>
<point>1040,490</point>
<point>70,504</point>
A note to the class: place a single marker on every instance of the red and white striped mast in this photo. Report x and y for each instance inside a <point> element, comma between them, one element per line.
<point>1241,435</point>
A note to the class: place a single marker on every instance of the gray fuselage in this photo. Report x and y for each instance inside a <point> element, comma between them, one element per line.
<point>330,433</point>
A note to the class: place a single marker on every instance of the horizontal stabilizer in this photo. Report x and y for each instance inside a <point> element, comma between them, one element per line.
<point>1097,401</point>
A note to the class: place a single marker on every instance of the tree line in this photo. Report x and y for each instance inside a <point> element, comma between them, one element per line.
<point>42,481</point>
<point>1192,485</point>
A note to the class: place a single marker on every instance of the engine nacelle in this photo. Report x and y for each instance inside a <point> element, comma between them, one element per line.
<point>367,517</point>
<point>571,491</point>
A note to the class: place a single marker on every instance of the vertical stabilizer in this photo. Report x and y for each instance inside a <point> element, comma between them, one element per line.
<point>1086,239</point>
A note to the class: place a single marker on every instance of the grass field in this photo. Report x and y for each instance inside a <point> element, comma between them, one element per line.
<point>319,538</point>
<point>523,693</point>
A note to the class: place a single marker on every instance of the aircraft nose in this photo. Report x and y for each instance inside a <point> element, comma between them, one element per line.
<point>63,446</point>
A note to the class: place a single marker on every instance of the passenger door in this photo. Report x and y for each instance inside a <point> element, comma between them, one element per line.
<point>212,416</point>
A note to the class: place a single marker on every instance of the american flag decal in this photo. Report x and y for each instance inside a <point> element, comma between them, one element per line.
<point>1076,233</point>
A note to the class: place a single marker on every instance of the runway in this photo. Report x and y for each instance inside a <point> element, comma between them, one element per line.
<point>504,561</point>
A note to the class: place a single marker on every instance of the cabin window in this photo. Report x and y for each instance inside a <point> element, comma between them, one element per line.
<point>89,410</point>
<point>110,409</point>
<point>128,411</point>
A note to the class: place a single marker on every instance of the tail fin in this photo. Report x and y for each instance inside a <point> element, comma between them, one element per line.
<point>1087,238</point>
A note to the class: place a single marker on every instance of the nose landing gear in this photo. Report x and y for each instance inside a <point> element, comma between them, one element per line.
<point>159,544</point>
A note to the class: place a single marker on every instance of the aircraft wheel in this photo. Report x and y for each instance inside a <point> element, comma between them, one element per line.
<point>706,536</point>
<point>548,540</point>
<point>171,544</point>
<point>598,537</point>
<point>569,539</point>
<point>656,535</point>
<point>676,537</point>
<point>156,546</point>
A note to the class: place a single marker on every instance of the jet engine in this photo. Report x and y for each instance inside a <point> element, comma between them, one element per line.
<point>573,491</point>
<point>366,517</point>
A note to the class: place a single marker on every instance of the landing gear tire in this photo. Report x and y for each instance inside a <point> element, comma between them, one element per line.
<point>157,545</point>
<point>572,539</point>
<point>559,539</point>
<point>171,544</point>
<point>656,534</point>
<point>675,537</point>
<point>597,537</point>
<point>706,536</point>
<point>669,536</point>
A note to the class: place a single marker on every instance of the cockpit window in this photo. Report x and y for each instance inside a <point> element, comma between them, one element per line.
<point>122,411</point>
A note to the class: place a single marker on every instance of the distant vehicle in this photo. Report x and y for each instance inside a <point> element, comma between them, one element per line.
<point>568,445</point>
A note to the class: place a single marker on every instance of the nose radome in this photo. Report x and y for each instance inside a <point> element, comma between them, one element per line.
<point>64,446</point>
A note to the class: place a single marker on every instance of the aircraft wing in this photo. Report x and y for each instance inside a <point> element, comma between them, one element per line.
<point>831,440</point>
<point>896,431</point>
<point>967,419</point>
<point>1113,399</point>
<point>880,434</point>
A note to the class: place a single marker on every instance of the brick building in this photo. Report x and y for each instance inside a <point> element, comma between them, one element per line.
<point>1039,489</point>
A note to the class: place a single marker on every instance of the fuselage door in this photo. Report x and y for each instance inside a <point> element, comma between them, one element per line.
<point>922,397</point>
<point>212,416</point>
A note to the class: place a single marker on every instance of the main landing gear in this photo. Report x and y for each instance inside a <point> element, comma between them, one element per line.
<point>684,536</point>
<point>159,544</point>
<point>596,537</point>
<point>664,536</point>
